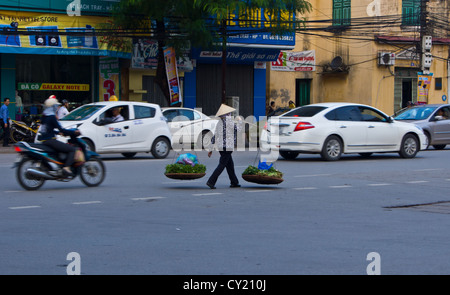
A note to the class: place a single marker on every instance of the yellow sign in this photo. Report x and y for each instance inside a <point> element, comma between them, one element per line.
<point>58,34</point>
<point>53,86</point>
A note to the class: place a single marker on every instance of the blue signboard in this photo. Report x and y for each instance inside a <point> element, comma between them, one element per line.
<point>84,7</point>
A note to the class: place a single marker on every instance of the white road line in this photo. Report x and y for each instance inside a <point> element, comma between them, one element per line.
<point>340,186</point>
<point>379,184</point>
<point>24,207</point>
<point>259,191</point>
<point>207,194</point>
<point>312,175</point>
<point>13,191</point>
<point>86,203</point>
<point>304,188</point>
<point>429,169</point>
<point>417,181</point>
<point>147,198</point>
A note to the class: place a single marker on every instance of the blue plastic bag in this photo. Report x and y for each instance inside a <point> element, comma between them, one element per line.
<point>187,159</point>
<point>263,165</point>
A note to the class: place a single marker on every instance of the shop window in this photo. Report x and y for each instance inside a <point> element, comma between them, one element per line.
<point>438,84</point>
<point>411,12</point>
<point>33,71</point>
<point>342,12</point>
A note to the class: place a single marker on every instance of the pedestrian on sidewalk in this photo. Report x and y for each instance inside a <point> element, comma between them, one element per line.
<point>225,139</point>
<point>4,121</point>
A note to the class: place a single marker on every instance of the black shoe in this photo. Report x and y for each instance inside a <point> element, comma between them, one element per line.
<point>211,186</point>
<point>66,173</point>
<point>235,185</point>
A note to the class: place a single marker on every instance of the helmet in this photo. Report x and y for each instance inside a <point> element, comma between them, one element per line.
<point>51,101</point>
<point>113,98</point>
<point>64,101</point>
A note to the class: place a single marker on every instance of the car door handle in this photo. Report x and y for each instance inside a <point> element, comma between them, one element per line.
<point>126,127</point>
<point>371,126</point>
<point>343,126</point>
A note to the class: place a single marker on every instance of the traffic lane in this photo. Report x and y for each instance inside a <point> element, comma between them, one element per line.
<point>310,233</point>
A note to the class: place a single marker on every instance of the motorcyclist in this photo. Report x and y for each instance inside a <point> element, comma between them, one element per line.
<point>47,133</point>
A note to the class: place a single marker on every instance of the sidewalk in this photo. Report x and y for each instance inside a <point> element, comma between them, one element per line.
<point>7,150</point>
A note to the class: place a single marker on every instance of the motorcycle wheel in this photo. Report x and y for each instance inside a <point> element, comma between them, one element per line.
<point>26,181</point>
<point>16,136</point>
<point>92,173</point>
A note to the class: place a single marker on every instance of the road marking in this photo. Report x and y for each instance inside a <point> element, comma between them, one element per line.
<point>417,181</point>
<point>379,184</point>
<point>429,169</point>
<point>86,203</point>
<point>147,198</point>
<point>13,191</point>
<point>312,175</point>
<point>340,186</point>
<point>305,188</point>
<point>207,194</point>
<point>24,207</point>
<point>259,191</point>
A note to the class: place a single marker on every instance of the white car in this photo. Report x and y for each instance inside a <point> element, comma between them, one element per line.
<point>189,126</point>
<point>332,129</point>
<point>143,129</point>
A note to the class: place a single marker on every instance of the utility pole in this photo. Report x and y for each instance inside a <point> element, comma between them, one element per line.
<point>425,42</point>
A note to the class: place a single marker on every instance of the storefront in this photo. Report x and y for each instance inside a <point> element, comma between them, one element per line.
<point>47,48</point>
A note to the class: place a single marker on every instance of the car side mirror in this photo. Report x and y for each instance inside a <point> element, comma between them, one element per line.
<point>104,121</point>
<point>438,118</point>
<point>390,119</point>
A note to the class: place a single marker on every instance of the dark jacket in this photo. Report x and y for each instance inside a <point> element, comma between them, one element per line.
<point>47,130</point>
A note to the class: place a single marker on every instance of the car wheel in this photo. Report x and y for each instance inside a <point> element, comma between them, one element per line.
<point>428,139</point>
<point>289,155</point>
<point>160,148</point>
<point>409,147</point>
<point>204,140</point>
<point>439,146</point>
<point>90,144</point>
<point>332,149</point>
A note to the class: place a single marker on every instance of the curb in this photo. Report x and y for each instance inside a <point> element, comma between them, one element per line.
<point>7,150</point>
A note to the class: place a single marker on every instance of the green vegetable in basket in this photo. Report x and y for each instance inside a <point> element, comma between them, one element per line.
<point>181,168</point>
<point>272,172</point>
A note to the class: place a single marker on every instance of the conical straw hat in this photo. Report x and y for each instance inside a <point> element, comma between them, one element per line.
<point>224,109</point>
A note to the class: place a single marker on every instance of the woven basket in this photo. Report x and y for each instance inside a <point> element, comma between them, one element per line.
<point>185,176</point>
<point>262,179</point>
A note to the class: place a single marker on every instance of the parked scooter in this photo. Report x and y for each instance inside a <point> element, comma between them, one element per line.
<point>21,131</point>
<point>37,163</point>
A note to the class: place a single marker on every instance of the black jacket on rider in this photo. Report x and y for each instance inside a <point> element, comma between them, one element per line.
<point>48,126</point>
<point>47,135</point>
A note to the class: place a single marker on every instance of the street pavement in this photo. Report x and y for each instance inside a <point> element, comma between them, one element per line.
<point>325,218</point>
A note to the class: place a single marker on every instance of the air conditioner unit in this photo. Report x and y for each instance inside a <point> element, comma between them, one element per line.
<point>386,58</point>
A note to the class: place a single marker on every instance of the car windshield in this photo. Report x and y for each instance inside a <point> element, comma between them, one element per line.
<point>307,111</point>
<point>82,113</point>
<point>418,113</point>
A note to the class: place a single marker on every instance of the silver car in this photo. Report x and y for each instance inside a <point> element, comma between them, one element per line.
<point>434,120</point>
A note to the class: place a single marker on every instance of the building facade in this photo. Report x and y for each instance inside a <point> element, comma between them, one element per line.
<point>366,52</point>
<point>49,47</point>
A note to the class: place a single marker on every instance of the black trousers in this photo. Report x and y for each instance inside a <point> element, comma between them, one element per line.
<point>226,161</point>
<point>5,132</point>
<point>63,148</point>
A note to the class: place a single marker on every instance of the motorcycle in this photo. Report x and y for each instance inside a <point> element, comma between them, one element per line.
<point>21,131</point>
<point>38,163</point>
